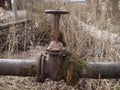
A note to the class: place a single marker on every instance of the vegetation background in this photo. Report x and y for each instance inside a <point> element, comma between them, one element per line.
<point>91,31</point>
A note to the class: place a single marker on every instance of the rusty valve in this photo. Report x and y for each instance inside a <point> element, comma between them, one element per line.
<point>55,51</point>
<point>56,14</point>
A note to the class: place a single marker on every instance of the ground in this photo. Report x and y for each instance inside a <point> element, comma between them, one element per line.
<point>29,83</point>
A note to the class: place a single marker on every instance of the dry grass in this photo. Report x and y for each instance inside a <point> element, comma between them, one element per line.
<point>79,41</point>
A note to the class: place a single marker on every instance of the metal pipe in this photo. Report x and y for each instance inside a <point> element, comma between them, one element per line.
<point>18,67</point>
<point>7,25</point>
<point>95,70</point>
<point>14,10</point>
<point>103,70</point>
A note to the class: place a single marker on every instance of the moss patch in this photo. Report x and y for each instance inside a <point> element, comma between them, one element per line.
<point>71,70</point>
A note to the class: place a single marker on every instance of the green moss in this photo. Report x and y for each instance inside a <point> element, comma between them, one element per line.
<point>76,71</point>
<point>71,70</point>
<point>117,88</point>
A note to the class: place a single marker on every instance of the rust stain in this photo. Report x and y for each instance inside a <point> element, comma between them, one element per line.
<point>69,74</point>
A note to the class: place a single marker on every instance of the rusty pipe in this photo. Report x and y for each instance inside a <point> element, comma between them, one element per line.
<point>95,70</point>
<point>103,70</point>
<point>18,67</point>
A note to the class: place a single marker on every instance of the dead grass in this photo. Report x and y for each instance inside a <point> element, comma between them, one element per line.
<point>78,40</point>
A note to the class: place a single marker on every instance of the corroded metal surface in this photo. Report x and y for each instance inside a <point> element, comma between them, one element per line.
<point>18,67</point>
<point>56,14</point>
<point>54,63</point>
<point>103,70</point>
<point>95,70</point>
